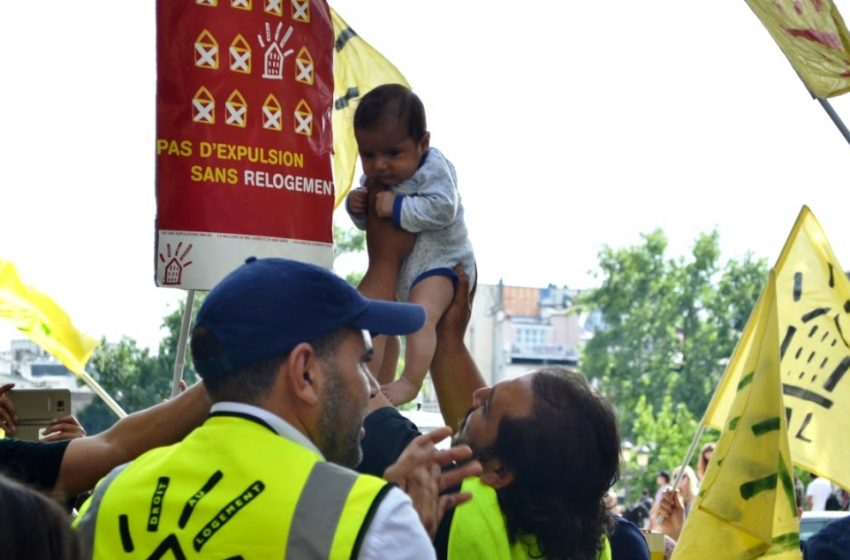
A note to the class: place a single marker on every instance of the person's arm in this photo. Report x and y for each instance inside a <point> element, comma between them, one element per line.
<point>419,472</point>
<point>453,370</point>
<point>88,459</point>
<point>388,434</point>
<point>672,512</point>
<point>433,207</point>
<point>386,246</point>
<point>627,541</point>
<point>396,532</point>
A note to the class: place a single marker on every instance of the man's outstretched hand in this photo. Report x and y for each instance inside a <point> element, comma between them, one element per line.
<point>419,472</point>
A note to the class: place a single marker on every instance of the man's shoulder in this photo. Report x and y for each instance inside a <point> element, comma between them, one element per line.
<point>395,530</point>
<point>830,542</point>
<point>627,542</point>
<point>819,485</point>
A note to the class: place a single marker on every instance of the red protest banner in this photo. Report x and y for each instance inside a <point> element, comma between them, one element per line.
<point>243,146</point>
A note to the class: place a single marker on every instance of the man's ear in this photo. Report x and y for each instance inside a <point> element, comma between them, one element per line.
<point>496,475</point>
<point>425,143</point>
<point>303,374</point>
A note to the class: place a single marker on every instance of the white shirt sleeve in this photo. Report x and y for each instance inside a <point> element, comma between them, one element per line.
<point>396,532</point>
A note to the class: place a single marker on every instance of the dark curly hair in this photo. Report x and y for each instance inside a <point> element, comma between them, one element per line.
<point>391,103</point>
<point>33,525</point>
<point>564,458</point>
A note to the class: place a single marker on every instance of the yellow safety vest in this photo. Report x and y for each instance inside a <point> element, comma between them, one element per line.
<point>233,488</point>
<point>478,529</point>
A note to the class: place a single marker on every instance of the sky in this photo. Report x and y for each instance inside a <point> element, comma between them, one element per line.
<point>572,125</point>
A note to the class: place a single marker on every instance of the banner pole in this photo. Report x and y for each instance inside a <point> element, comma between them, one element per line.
<point>181,343</point>
<point>101,392</point>
<point>827,106</point>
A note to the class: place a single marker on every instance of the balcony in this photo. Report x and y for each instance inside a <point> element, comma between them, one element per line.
<point>543,354</point>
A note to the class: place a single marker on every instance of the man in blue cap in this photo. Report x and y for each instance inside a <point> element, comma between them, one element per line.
<point>282,348</point>
<point>830,543</point>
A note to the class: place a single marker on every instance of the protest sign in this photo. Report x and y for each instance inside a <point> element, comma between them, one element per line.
<point>243,144</point>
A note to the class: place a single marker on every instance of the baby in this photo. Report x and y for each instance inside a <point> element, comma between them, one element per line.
<point>421,197</point>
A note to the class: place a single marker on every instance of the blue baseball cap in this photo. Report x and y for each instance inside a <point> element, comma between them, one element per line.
<point>831,542</point>
<point>266,307</point>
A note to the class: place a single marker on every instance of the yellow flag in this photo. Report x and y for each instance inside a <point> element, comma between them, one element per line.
<point>813,301</point>
<point>814,39</point>
<point>42,320</point>
<point>746,506</point>
<point>358,68</point>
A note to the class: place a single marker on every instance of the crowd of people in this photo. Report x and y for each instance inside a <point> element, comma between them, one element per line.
<point>267,472</point>
<point>290,447</point>
<point>667,511</point>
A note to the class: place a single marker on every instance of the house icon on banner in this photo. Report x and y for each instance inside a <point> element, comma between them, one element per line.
<point>273,63</point>
<point>173,272</point>
<point>274,53</point>
<point>176,264</point>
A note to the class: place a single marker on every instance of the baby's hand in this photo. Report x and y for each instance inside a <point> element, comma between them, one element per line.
<point>357,201</point>
<point>384,204</point>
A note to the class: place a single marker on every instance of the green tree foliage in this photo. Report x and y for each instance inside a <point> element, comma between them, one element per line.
<point>168,345</point>
<point>132,376</point>
<point>668,325</point>
<point>667,430</point>
<point>346,242</point>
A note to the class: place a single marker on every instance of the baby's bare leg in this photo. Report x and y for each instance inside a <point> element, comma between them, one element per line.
<point>434,294</point>
<point>387,247</point>
<point>389,362</point>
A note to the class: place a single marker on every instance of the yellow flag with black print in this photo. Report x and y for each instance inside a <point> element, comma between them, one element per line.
<point>42,320</point>
<point>813,37</point>
<point>813,302</point>
<point>358,68</point>
<point>746,507</point>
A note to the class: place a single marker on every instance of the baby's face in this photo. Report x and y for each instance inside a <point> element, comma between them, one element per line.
<point>388,153</point>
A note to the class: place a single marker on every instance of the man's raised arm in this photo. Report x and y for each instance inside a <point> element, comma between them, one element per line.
<point>88,459</point>
<point>453,370</point>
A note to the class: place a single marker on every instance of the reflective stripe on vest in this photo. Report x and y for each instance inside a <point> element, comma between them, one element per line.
<point>478,528</point>
<point>233,488</point>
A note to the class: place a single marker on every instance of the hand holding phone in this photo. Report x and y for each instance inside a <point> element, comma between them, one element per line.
<point>35,409</point>
<point>65,427</point>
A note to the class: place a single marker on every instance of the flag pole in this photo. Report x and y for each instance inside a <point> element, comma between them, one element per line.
<point>687,460</point>
<point>101,392</point>
<point>827,106</point>
<point>181,343</point>
<point>689,455</point>
<point>823,102</point>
